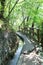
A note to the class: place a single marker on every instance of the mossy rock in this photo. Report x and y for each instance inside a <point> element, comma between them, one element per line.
<point>10,41</point>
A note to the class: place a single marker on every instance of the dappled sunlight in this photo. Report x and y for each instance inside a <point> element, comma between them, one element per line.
<point>29,59</point>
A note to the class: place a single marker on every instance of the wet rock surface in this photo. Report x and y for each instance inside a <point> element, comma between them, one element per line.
<point>28,46</point>
<point>30,59</point>
<point>8,42</point>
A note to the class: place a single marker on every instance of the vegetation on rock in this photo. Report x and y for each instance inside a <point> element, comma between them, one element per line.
<point>15,14</point>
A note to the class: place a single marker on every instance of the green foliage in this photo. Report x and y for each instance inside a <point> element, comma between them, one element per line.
<point>24,8</point>
<point>15,13</point>
<point>0,6</point>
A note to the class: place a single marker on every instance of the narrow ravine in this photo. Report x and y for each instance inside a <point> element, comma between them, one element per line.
<point>25,46</point>
<point>25,59</point>
<point>15,58</point>
<point>31,58</point>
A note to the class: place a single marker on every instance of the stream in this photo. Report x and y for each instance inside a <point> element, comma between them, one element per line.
<point>14,60</point>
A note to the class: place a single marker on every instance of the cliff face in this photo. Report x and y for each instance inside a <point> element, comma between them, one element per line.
<point>8,44</point>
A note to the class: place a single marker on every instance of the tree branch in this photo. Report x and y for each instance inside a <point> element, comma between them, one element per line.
<point>12,8</point>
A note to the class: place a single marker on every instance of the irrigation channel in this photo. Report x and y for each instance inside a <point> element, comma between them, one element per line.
<point>21,57</point>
